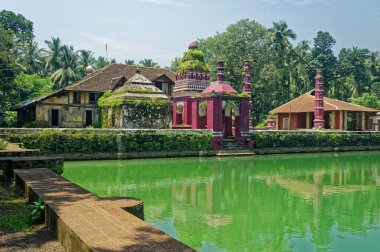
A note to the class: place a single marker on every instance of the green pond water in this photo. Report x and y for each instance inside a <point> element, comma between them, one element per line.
<point>316,202</point>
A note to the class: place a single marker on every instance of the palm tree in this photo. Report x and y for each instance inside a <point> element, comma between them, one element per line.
<point>129,62</point>
<point>280,34</point>
<point>85,59</point>
<point>52,54</point>
<point>31,59</point>
<point>66,74</point>
<point>148,63</point>
<point>101,62</point>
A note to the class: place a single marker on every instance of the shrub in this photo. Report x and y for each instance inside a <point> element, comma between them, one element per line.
<point>313,139</point>
<point>3,144</point>
<point>87,141</point>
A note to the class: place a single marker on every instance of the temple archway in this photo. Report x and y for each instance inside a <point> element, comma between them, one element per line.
<point>230,115</point>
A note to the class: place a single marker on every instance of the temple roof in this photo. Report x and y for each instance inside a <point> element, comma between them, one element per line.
<point>219,88</point>
<point>138,78</point>
<point>305,103</point>
<point>136,92</point>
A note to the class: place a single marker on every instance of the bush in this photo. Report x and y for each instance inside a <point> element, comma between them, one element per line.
<point>313,139</point>
<point>87,141</point>
<point>3,144</point>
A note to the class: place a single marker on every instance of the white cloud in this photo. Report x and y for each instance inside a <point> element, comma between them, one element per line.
<point>165,2</point>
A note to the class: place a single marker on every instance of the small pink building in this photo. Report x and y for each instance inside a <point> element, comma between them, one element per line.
<point>201,104</point>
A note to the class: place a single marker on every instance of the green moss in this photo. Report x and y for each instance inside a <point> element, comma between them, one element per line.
<point>193,66</point>
<point>193,55</point>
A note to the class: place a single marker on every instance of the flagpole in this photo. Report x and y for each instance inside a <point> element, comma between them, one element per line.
<point>106,52</point>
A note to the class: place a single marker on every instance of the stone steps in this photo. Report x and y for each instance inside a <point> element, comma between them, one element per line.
<point>8,164</point>
<point>229,153</point>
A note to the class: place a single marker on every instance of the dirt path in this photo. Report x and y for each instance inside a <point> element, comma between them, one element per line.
<point>37,240</point>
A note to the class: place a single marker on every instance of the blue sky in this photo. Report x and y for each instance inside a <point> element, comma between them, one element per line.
<point>162,29</point>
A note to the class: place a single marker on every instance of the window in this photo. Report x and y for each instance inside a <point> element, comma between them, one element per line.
<point>92,98</point>
<point>76,98</point>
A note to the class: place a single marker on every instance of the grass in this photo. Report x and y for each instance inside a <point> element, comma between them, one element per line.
<point>15,214</point>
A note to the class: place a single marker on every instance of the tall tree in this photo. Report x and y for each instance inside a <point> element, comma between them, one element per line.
<point>8,69</point>
<point>279,36</point>
<point>322,56</point>
<point>21,27</point>
<point>353,63</point>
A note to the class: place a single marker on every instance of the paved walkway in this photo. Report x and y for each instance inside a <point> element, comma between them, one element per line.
<point>85,222</point>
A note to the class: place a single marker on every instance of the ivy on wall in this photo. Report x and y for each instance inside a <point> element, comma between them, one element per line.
<point>117,111</point>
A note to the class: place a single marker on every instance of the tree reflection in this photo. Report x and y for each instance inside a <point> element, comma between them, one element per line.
<point>253,204</point>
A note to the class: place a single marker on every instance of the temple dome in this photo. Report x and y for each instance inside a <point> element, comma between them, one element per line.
<point>219,88</point>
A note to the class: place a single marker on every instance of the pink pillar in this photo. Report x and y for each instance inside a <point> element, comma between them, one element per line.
<point>174,113</point>
<point>194,115</point>
<point>214,114</point>
<point>244,115</point>
<point>187,111</point>
<point>237,126</point>
<point>247,88</point>
<point>319,121</point>
<point>227,126</point>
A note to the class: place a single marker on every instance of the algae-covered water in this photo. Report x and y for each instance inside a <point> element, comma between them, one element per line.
<point>309,202</point>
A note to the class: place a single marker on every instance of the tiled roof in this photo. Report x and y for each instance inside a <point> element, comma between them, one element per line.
<point>219,88</point>
<point>305,103</point>
<point>41,98</point>
<point>101,80</point>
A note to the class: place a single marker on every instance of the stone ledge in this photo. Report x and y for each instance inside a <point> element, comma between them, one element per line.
<point>265,151</point>
<point>135,155</point>
<point>84,222</point>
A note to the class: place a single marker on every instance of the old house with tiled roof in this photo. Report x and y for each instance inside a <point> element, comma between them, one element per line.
<point>314,110</point>
<point>76,104</point>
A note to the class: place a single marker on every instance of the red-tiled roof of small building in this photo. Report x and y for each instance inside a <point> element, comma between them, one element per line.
<point>219,88</point>
<point>305,103</point>
<point>101,80</point>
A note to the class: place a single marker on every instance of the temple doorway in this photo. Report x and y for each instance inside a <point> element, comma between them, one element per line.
<point>230,116</point>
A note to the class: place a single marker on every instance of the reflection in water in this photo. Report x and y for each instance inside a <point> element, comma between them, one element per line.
<point>274,203</point>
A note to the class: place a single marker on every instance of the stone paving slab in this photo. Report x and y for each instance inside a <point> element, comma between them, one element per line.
<point>85,222</point>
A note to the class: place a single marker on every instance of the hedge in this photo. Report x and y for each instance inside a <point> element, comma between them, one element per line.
<point>91,141</point>
<point>315,139</point>
<point>3,144</point>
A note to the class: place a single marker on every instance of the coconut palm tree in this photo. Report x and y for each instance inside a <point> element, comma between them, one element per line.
<point>148,63</point>
<point>52,54</point>
<point>31,60</point>
<point>129,62</point>
<point>280,34</point>
<point>85,59</point>
<point>66,73</point>
<point>101,62</point>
